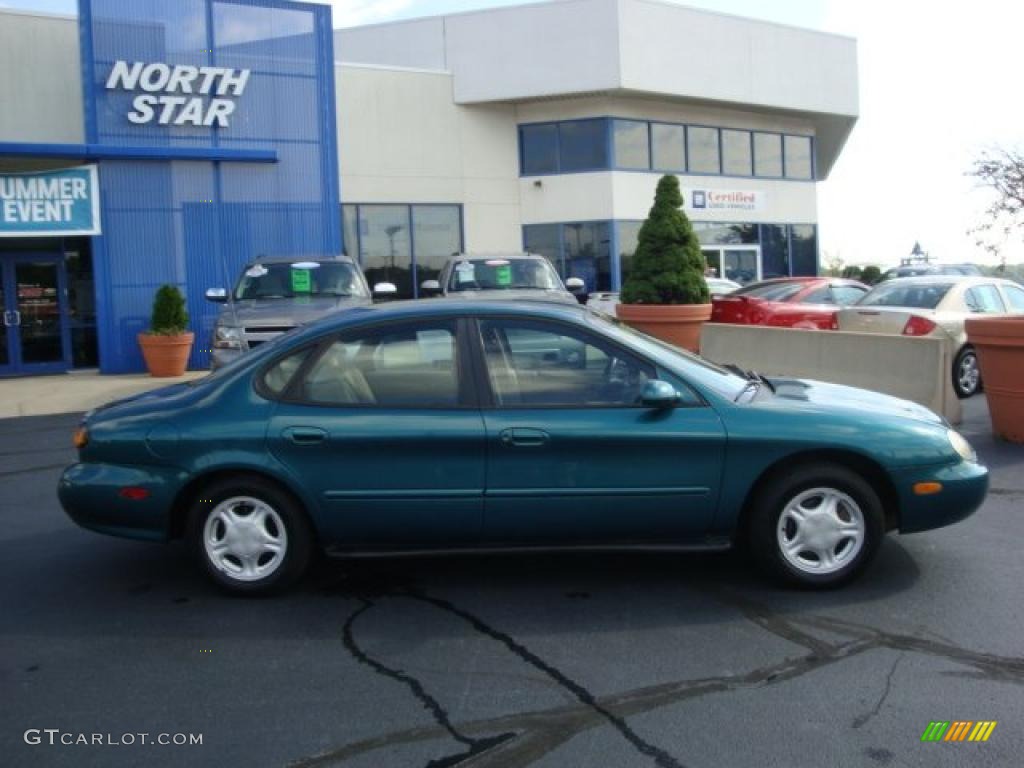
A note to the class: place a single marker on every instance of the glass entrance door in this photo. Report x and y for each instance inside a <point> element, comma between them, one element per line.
<point>741,264</point>
<point>35,314</point>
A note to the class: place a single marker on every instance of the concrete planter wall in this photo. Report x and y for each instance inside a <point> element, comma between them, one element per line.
<point>999,342</point>
<point>678,324</point>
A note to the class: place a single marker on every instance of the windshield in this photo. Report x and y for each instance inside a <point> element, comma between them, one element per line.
<point>503,274</point>
<point>283,280</point>
<point>687,364</point>
<point>770,291</point>
<point>899,294</point>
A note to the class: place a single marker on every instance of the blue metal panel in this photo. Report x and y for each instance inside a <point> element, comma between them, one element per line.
<point>189,218</point>
<point>108,152</point>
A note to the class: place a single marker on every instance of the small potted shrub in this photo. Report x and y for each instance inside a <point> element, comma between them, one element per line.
<point>167,344</point>
<point>665,294</point>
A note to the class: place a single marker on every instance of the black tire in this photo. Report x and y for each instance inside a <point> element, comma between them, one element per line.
<point>966,359</point>
<point>295,541</point>
<point>764,538</point>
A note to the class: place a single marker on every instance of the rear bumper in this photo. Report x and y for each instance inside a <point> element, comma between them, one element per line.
<point>964,487</point>
<point>91,496</point>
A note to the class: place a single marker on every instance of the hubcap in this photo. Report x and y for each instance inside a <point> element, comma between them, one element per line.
<point>968,374</point>
<point>820,531</point>
<point>245,538</point>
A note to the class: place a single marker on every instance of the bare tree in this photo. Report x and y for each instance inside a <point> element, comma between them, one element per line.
<point>1000,170</point>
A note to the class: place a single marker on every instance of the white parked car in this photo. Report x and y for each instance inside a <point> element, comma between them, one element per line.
<point>935,306</point>
<point>605,301</point>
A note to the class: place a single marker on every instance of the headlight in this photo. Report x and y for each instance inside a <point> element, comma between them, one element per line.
<point>961,446</point>
<point>226,337</point>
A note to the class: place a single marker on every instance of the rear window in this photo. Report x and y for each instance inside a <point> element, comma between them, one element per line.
<point>770,291</point>
<point>916,295</point>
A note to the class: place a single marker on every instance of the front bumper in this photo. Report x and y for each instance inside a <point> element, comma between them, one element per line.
<point>91,496</point>
<point>964,487</point>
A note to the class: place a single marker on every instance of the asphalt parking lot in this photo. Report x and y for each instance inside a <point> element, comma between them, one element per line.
<point>641,660</point>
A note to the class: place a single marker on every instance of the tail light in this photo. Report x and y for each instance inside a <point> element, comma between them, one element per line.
<point>918,326</point>
<point>833,321</point>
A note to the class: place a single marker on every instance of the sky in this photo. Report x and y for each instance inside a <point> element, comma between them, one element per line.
<point>938,85</point>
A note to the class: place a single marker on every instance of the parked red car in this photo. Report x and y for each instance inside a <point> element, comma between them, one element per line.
<point>788,302</point>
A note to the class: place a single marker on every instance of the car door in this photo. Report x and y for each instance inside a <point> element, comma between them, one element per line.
<point>380,425</point>
<point>572,458</point>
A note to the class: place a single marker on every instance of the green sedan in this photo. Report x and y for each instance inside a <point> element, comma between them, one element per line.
<point>481,426</point>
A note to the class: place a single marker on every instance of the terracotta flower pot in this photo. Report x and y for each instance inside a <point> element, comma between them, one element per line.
<point>677,324</point>
<point>999,342</point>
<point>166,355</point>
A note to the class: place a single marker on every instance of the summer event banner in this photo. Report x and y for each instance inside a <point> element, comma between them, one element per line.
<point>42,203</point>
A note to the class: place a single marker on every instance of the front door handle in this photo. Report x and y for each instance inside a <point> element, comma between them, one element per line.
<point>304,435</point>
<point>524,437</point>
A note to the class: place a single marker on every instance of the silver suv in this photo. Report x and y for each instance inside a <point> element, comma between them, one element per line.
<point>274,295</point>
<point>507,276</point>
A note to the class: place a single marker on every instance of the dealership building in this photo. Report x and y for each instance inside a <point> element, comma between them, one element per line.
<point>145,142</point>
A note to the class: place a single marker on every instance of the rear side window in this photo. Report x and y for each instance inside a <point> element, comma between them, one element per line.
<point>916,295</point>
<point>409,366</point>
<point>984,299</point>
<point>770,291</point>
<point>844,295</point>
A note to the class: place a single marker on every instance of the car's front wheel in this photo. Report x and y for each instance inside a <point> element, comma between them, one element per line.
<point>251,536</point>
<point>966,373</point>
<point>816,527</point>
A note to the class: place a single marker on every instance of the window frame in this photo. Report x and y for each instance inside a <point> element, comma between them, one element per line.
<point>467,397</point>
<point>488,401</point>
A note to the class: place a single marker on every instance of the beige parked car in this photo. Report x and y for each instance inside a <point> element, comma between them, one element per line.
<point>935,305</point>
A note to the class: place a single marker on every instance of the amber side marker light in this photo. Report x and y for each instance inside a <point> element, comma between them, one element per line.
<point>81,437</point>
<point>927,489</point>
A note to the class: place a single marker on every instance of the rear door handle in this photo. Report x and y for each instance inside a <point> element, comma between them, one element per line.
<point>524,437</point>
<point>304,435</point>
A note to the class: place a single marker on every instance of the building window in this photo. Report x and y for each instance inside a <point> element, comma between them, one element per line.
<point>803,243</point>
<point>538,149</point>
<point>629,236</point>
<point>702,150</point>
<point>402,244</point>
<point>668,147</point>
<point>576,249</point>
<point>632,148</point>
<point>714,233</point>
<point>774,251</point>
<point>582,145</point>
<point>736,153</point>
<point>767,154</point>
<point>798,157</point>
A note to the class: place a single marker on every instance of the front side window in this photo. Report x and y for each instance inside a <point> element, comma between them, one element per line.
<point>407,366</point>
<point>534,364</point>
<point>1014,297</point>
<point>844,295</point>
<point>775,291</point>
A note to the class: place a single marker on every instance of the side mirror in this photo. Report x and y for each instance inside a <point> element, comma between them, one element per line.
<point>430,286</point>
<point>575,284</point>
<point>659,394</point>
<point>384,290</point>
<point>217,295</point>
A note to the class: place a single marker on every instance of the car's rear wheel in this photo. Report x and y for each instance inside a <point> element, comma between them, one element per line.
<point>818,526</point>
<point>252,537</point>
<point>966,373</point>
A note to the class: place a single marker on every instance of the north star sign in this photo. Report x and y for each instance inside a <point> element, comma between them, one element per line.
<point>179,95</point>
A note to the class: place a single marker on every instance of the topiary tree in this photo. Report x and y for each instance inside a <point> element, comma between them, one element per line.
<point>871,274</point>
<point>852,273</point>
<point>169,315</point>
<point>668,266</point>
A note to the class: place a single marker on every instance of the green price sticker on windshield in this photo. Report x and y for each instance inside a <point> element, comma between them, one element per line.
<point>503,275</point>
<point>301,281</point>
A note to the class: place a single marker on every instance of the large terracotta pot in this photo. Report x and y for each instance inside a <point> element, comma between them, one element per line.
<point>999,342</point>
<point>677,324</point>
<point>166,355</point>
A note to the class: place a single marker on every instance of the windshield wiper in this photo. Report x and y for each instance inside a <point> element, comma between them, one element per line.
<point>752,377</point>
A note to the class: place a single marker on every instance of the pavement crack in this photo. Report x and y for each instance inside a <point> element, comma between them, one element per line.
<point>862,720</point>
<point>29,470</point>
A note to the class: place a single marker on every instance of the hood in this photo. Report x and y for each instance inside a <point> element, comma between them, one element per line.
<point>835,397</point>
<point>534,294</point>
<point>286,312</point>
